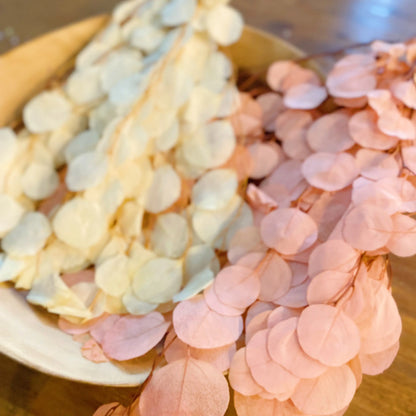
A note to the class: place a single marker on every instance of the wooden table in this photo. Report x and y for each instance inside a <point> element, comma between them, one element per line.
<point>314,25</point>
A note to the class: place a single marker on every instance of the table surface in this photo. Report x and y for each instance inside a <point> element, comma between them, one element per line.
<point>313,25</point>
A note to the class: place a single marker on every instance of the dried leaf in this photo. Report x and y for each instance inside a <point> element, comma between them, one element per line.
<point>275,277</point>
<point>158,280</point>
<point>201,327</point>
<point>237,286</point>
<point>327,394</point>
<point>86,171</point>
<point>288,230</point>
<point>133,336</point>
<point>92,351</point>
<point>271,105</point>
<point>377,363</point>
<point>266,157</point>
<point>80,223</point>
<point>220,358</point>
<point>332,255</point>
<point>284,348</point>
<point>328,286</point>
<point>402,241</point>
<point>352,76</point>
<point>46,112</point>
<point>328,335</point>
<point>305,96</point>
<point>187,386</point>
<point>164,190</point>
<point>28,237</point>
<point>270,375</point>
<point>10,213</point>
<point>240,377</point>
<point>364,130</point>
<point>214,190</point>
<point>329,171</point>
<point>224,25</point>
<point>330,133</point>
<point>367,227</point>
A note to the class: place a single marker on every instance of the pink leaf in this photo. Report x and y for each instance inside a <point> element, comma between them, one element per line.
<point>332,255</point>
<point>259,199</point>
<point>247,121</point>
<point>403,239</point>
<point>270,375</point>
<point>281,314</point>
<point>330,133</point>
<point>240,162</point>
<point>220,358</point>
<point>328,286</point>
<point>328,210</point>
<point>102,326</point>
<point>390,121</point>
<point>352,76</point>
<point>272,105</point>
<point>382,194</point>
<point>329,393</point>
<point>395,50</point>
<point>237,286</point>
<point>384,326</point>
<point>367,227</point>
<point>288,175</point>
<point>256,324</point>
<point>299,75</point>
<point>284,348</point>
<point>185,387</point>
<point>296,146</point>
<point>200,327</point>
<point>246,240</point>
<point>374,364</point>
<point>291,122</point>
<point>283,75</point>
<point>405,91</point>
<point>214,303</point>
<point>277,72</point>
<point>265,156</point>
<point>330,172</point>
<point>305,96</point>
<point>364,130</point>
<point>288,230</point>
<point>376,165</point>
<point>257,308</point>
<point>259,406</point>
<point>351,102</point>
<point>275,277</point>
<point>251,260</point>
<point>240,377</point>
<point>299,273</point>
<point>295,297</point>
<point>133,336</point>
<point>328,335</point>
<point>92,351</point>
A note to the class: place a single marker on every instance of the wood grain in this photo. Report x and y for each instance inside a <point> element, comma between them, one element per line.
<point>313,25</point>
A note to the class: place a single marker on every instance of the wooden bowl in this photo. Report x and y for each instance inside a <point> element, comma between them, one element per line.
<point>30,335</point>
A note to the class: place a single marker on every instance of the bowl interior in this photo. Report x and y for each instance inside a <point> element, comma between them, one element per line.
<point>28,334</point>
